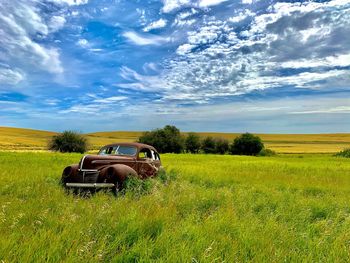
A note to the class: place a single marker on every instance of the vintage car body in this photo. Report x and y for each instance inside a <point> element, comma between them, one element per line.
<point>111,166</point>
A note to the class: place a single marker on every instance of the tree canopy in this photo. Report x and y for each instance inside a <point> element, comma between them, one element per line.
<point>165,140</point>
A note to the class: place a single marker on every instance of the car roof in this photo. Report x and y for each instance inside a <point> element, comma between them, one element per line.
<point>134,144</point>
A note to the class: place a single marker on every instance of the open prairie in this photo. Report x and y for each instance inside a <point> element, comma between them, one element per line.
<point>26,139</point>
<point>291,208</point>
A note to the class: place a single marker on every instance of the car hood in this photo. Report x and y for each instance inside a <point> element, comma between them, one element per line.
<point>96,162</point>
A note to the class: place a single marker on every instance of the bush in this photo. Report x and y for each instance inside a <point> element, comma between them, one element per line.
<point>221,145</point>
<point>267,152</point>
<point>192,143</point>
<point>344,153</point>
<point>208,145</point>
<point>166,140</point>
<point>68,141</point>
<point>247,144</point>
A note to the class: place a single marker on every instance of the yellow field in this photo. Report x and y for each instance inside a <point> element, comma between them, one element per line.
<point>26,139</point>
<point>23,139</point>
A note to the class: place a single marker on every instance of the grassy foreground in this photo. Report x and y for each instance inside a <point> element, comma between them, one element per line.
<point>15,139</point>
<point>219,208</point>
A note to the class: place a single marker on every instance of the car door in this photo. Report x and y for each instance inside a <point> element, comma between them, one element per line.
<point>146,165</point>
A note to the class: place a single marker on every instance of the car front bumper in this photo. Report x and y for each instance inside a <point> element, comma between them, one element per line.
<point>90,185</point>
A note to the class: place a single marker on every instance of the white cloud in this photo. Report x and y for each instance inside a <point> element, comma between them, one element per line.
<point>99,106</point>
<point>241,16</point>
<point>147,67</point>
<point>56,23</point>
<point>338,109</point>
<point>89,46</point>
<point>217,61</point>
<point>247,2</point>
<point>83,42</point>
<point>144,40</point>
<point>142,14</point>
<point>330,61</point>
<point>214,59</point>
<point>110,99</point>
<point>252,115</point>
<point>171,5</point>
<point>155,25</point>
<point>69,2</point>
<point>185,18</point>
<point>10,76</point>
<point>96,49</point>
<point>22,24</point>
<point>206,3</point>
<point>185,15</point>
<point>288,8</point>
<point>302,80</point>
<point>184,49</point>
<point>84,109</point>
<point>137,81</point>
<point>51,102</point>
<point>206,34</point>
<point>50,60</point>
<point>182,23</point>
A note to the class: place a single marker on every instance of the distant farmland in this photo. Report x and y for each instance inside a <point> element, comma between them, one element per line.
<point>27,139</point>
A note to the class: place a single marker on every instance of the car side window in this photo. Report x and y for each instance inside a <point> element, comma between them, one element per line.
<point>106,150</point>
<point>145,153</point>
<point>155,156</point>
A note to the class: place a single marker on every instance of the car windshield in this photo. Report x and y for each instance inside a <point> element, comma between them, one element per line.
<point>118,150</point>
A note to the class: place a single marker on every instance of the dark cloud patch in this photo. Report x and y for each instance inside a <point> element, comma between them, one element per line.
<point>293,22</point>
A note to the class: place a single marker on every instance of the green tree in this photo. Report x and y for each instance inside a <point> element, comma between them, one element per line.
<point>221,145</point>
<point>166,140</point>
<point>247,144</point>
<point>192,143</point>
<point>68,141</point>
<point>208,145</point>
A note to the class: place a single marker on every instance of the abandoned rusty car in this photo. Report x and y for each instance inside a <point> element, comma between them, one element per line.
<point>111,166</point>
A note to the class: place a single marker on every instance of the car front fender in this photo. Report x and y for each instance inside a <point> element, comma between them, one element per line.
<point>117,173</point>
<point>68,173</point>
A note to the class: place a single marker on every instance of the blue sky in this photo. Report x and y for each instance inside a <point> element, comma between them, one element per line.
<point>202,65</point>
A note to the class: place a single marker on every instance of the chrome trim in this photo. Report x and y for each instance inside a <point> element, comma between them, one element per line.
<point>87,170</point>
<point>111,161</point>
<point>82,162</point>
<point>100,161</point>
<point>95,185</point>
<point>117,149</point>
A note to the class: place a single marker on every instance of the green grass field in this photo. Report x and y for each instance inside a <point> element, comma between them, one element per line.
<point>288,208</point>
<point>16,139</point>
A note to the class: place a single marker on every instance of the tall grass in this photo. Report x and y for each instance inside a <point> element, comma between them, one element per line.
<point>218,208</point>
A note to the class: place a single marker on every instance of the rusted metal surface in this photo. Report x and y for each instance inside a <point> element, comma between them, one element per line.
<point>110,170</point>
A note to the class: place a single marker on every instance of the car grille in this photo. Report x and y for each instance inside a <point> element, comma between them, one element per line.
<point>88,176</point>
